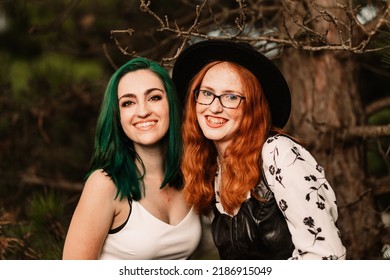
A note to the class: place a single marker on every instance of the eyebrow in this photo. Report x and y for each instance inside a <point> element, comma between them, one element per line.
<point>148,91</point>
<point>224,92</point>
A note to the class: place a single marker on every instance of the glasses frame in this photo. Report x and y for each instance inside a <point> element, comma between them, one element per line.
<point>197,91</point>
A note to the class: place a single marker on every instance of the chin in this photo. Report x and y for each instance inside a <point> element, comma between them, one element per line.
<point>213,137</point>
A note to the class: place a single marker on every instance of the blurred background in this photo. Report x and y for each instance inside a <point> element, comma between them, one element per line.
<point>56,58</point>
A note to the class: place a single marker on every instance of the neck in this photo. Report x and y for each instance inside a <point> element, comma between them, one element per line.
<point>152,158</point>
<point>221,148</point>
<point>153,161</point>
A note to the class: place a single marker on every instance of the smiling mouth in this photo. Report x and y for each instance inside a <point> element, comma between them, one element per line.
<point>144,125</point>
<point>215,121</point>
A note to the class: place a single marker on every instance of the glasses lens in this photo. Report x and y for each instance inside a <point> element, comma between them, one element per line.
<point>230,100</point>
<point>204,97</point>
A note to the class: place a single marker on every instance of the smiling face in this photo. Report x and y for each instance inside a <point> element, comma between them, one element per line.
<point>143,105</point>
<point>217,123</point>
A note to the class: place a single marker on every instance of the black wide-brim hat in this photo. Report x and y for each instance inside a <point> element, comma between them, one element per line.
<point>274,85</point>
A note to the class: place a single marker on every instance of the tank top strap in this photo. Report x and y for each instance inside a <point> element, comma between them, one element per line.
<point>117,229</point>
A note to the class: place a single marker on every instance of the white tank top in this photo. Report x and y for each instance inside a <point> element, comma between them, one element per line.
<point>145,237</point>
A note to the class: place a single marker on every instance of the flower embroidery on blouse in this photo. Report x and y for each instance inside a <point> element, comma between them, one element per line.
<point>274,170</point>
<point>320,199</point>
<point>297,155</point>
<point>277,172</point>
<point>283,207</point>
<point>296,178</point>
<point>308,221</point>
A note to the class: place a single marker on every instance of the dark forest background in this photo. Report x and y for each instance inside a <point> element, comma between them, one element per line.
<point>57,56</point>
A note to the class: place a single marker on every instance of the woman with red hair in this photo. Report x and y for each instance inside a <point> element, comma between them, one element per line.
<point>267,196</point>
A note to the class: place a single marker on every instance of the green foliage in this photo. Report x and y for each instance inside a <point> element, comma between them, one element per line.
<point>45,214</point>
<point>19,76</point>
<point>380,118</point>
<point>4,67</point>
<point>7,242</point>
<point>49,72</point>
<point>64,69</point>
<point>41,234</point>
<point>50,90</point>
<point>20,250</point>
<point>43,210</point>
<point>4,125</point>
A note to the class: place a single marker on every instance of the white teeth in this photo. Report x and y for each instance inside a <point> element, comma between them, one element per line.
<point>215,120</point>
<point>145,124</point>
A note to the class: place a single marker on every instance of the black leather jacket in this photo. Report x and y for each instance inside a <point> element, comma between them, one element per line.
<point>258,231</point>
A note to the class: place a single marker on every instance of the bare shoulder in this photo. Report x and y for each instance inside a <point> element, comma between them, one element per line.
<point>99,192</point>
<point>92,218</point>
<point>100,184</point>
<point>99,177</point>
<point>97,204</point>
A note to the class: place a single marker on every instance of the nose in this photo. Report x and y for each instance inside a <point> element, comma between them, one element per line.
<point>216,106</point>
<point>143,109</point>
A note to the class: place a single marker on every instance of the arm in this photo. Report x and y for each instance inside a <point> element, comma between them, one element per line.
<point>305,197</point>
<point>92,218</point>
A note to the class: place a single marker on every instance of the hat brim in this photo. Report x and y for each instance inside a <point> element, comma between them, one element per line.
<point>274,85</point>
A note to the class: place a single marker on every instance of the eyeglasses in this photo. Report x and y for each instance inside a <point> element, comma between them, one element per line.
<point>227,100</point>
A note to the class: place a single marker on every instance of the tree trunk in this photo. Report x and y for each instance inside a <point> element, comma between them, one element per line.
<point>325,101</point>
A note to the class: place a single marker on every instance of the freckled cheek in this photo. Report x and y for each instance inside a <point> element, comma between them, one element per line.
<point>199,117</point>
<point>199,109</point>
<point>237,117</point>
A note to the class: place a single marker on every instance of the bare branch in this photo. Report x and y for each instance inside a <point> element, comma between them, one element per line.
<point>198,13</point>
<point>365,132</point>
<point>241,19</point>
<point>144,7</point>
<point>318,40</point>
<point>294,43</point>
<point>33,180</point>
<point>377,106</point>
<point>124,50</point>
<point>382,20</point>
<point>358,199</point>
<point>109,57</point>
<point>380,186</point>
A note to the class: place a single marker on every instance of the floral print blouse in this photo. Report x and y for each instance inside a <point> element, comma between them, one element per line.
<point>305,197</point>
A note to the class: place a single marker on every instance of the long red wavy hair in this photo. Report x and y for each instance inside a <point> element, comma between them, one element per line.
<point>242,160</point>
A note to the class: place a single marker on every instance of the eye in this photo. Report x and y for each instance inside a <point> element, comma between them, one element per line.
<point>155,98</point>
<point>127,103</point>
<point>206,93</point>
<point>231,97</point>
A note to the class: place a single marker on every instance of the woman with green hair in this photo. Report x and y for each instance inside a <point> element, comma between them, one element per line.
<point>132,206</point>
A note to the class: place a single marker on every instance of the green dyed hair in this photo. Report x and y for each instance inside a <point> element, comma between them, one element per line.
<point>114,152</point>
